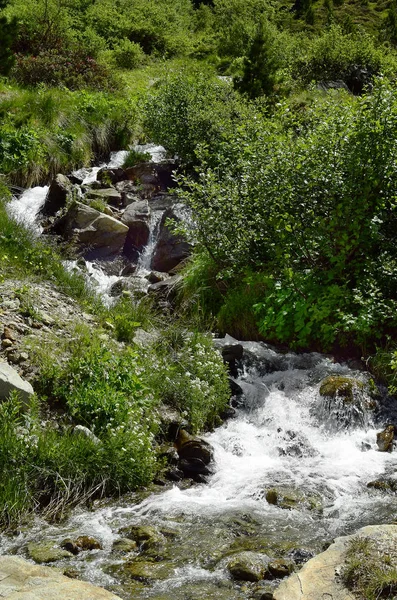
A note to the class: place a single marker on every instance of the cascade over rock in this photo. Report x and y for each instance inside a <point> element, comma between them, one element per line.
<point>170,249</point>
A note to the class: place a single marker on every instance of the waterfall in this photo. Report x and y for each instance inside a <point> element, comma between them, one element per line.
<point>145,259</point>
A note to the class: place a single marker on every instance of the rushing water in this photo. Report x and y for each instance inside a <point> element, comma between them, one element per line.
<point>316,456</point>
<point>284,438</point>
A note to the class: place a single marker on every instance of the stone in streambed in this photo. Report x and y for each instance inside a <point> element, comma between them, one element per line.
<point>148,571</point>
<point>280,568</point>
<point>248,566</point>
<point>339,386</point>
<point>385,438</point>
<point>124,545</point>
<point>144,535</point>
<point>86,542</point>
<point>47,552</point>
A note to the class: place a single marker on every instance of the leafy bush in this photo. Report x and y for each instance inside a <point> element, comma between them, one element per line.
<point>314,213</point>
<point>186,111</point>
<point>352,57</point>
<point>128,55</point>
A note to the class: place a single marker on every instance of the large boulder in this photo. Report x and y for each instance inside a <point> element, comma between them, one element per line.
<point>95,234</point>
<point>21,580</point>
<point>111,176</point>
<point>152,177</point>
<point>194,454</point>
<point>10,381</point>
<point>59,193</point>
<point>320,577</point>
<point>136,217</point>
<point>109,195</point>
<point>170,249</point>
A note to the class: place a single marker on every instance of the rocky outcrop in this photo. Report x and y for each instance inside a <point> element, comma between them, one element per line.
<point>20,580</point>
<point>59,193</point>
<point>10,381</point>
<point>109,195</point>
<point>321,576</point>
<point>95,234</point>
<point>170,249</point>
<point>152,177</point>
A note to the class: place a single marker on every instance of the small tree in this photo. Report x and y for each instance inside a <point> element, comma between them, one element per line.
<point>8,30</point>
<point>260,64</point>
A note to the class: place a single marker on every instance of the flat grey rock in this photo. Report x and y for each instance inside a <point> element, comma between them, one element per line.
<point>10,381</point>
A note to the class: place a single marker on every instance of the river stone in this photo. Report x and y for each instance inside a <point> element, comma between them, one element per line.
<point>60,191</point>
<point>280,568</point>
<point>46,552</point>
<point>319,577</point>
<point>144,535</point>
<point>111,176</point>
<point>248,566</point>
<point>124,545</point>
<point>385,438</point>
<point>338,385</point>
<point>86,542</point>
<point>97,234</point>
<point>10,381</point>
<point>149,571</point>
<point>136,217</point>
<point>20,580</point>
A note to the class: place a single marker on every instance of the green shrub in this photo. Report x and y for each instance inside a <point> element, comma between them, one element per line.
<point>128,55</point>
<point>134,157</point>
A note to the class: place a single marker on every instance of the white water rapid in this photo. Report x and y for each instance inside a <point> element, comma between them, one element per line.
<point>284,439</point>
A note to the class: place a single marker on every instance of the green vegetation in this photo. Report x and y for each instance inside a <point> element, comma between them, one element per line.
<point>292,190</point>
<point>370,572</point>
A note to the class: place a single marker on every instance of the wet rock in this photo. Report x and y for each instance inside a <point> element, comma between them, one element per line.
<point>124,545</point>
<point>7,343</point>
<point>189,447</point>
<point>280,568</point>
<point>111,176</point>
<point>171,249</point>
<point>385,438</point>
<point>144,535</point>
<point>383,485</point>
<point>272,497</point>
<point>10,381</point>
<point>148,571</point>
<point>248,566</point>
<point>156,277</point>
<point>300,555</point>
<point>231,353</point>
<point>343,387</point>
<point>174,474</point>
<point>235,389</point>
<point>59,193</point>
<point>46,552</point>
<point>86,542</point>
<point>70,546</point>
<point>97,235</point>
<point>20,580</point>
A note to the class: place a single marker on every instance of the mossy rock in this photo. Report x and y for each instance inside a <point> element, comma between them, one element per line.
<point>145,536</point>
<point>85,542</point>
<point>124,545</point>
<point>290,498</point>
<point>46,552</point>
<point>248,566</point>
<point>281,568</point>
<point>341,387</point>
<point>148,572</point>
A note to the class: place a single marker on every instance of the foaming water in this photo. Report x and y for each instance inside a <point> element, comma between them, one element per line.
<point>26,207</point>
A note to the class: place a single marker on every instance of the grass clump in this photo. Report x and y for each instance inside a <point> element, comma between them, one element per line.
<point>370,570</point>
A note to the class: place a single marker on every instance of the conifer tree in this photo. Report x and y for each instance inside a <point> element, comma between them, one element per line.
<point>260,64</point>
